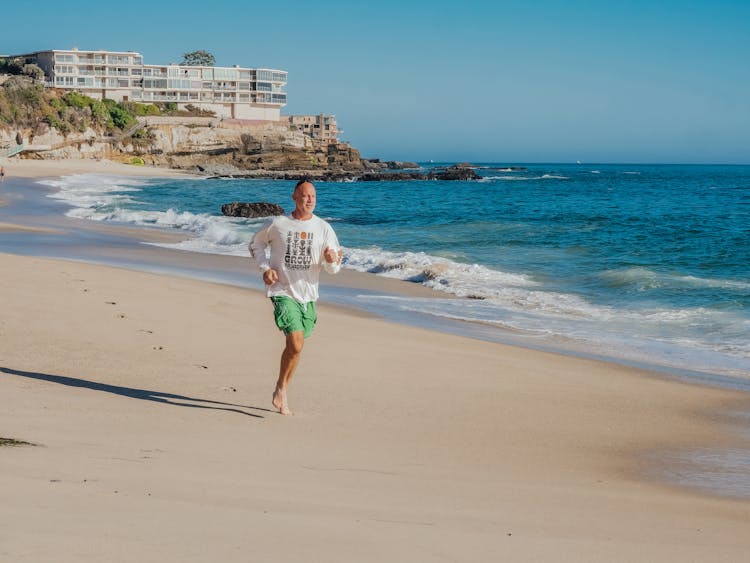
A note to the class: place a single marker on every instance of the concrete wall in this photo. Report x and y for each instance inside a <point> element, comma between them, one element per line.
<point>246,111</point>
<point>180,120</point>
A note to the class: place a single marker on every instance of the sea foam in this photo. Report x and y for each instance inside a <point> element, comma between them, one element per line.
<point>629,323</point>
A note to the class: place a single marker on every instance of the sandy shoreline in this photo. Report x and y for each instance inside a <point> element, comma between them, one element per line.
<point>149,397</point>
<point>24,168</point>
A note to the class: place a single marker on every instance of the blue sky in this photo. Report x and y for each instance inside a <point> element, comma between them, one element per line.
<point>534,81</point>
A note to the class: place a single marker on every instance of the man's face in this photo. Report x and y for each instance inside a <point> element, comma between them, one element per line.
<point>304,198</point>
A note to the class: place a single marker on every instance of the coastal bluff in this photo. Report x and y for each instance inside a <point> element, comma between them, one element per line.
<point>210,146</point>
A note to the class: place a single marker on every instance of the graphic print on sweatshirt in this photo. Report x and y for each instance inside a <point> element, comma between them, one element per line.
<point>298,254</point>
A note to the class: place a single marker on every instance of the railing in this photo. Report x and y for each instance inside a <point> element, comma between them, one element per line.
<point>142,122</point>
<point>12,151</point>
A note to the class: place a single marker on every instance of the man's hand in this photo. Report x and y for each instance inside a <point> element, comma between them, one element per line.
<point>270,277</point>
<point>332,256</point>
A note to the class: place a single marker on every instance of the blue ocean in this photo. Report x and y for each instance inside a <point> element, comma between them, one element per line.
<point>642,263</point>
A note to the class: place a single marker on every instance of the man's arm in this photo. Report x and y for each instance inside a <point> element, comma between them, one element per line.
<point>332,253</point>
<point>258,246</point>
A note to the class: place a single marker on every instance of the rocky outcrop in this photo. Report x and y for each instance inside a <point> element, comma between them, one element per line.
<point>252,149</point>
<point>251,210</point>
<point>391,176</point>
<point>450,173</point>
<point>376,163</point>
<point>397,165</point>
<point>232,148</point>
<point>457,172</point>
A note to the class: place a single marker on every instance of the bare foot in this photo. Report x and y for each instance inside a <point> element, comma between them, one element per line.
<point>279,401</point>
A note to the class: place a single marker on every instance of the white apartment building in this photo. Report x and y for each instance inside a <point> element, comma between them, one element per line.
<point>230,92</point>
<point>320,126</point>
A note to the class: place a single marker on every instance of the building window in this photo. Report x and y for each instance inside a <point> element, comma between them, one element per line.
<point>225,74</point>
<point>155,83</point>
<point>118,60</point>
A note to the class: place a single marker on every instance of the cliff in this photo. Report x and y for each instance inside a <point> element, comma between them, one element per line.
<point>47,123</point>
<point>203,145</point>
<point>50,124</point>
<point>234,147</point>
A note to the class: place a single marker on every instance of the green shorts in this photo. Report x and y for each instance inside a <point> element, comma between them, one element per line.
<point>292,316</point>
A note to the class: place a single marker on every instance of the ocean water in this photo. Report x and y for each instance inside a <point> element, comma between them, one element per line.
<point>642,263</point>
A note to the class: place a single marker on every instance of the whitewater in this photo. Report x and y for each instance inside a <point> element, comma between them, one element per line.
<point>646,264</point>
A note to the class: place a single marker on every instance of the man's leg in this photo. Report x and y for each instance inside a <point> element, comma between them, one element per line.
<point>295,341</point>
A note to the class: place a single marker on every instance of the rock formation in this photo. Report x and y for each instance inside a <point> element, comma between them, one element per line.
<point>230,148</point>
<point>251,210</point>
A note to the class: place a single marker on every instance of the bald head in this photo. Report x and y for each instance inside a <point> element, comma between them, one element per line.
<point>304,199</point>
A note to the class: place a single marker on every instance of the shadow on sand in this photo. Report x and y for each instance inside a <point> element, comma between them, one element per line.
<point>142,394</point>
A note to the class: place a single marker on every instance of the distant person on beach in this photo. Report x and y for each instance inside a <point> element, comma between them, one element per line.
<point>2,174</point>
<point>300,244</point>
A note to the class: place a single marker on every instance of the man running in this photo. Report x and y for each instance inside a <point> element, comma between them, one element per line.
<point>299,245</point>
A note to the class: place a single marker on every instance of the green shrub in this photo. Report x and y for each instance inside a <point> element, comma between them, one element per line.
<point>58,104</point>
<point>63,127</point>
<point>77,100</point>
<point>142,110</point>
<point>121,117</point>
<point>99,113</point>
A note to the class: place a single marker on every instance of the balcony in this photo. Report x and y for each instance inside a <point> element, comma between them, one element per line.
<point>91,60</point>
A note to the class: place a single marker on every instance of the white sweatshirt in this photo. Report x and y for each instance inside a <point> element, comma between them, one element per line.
<point>296,253</point>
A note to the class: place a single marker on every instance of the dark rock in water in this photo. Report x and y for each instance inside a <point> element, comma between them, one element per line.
<point>251,210</point>
<point>454,173</point>
<point>390,176</point>
<point>397,165</point>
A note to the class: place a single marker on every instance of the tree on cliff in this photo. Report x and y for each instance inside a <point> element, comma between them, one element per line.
<point>198,58</point>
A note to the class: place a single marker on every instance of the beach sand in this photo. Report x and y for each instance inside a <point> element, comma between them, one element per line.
<point>29,168</point>
<point>149,400</point>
